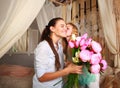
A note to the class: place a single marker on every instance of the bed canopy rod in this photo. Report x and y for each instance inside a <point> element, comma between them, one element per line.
<point>61,2</point>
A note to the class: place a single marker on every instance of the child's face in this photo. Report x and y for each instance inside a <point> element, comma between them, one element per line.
<point>69,30</point>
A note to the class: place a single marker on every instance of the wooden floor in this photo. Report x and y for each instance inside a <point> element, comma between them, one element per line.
<point>15,76</point>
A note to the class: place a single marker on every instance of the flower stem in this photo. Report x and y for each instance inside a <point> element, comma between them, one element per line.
<point>76,81</point>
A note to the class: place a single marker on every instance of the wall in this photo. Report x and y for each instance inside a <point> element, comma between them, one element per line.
<point>22,59</point>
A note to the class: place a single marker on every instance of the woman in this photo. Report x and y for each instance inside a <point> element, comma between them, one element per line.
<point>72,29</point>
<point>49,61</point>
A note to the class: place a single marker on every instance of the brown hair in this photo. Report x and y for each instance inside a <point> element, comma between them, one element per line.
<point>45,36</point>
<point>66,49</point>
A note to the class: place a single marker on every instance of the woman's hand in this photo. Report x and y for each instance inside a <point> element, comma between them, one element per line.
<point>67,63</point>
<point>72,68</point>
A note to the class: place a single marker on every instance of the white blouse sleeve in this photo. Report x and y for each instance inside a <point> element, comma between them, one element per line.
<point>42,58</point>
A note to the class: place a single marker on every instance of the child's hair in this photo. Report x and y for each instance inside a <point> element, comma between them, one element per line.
<point>75,29</point>
<point>66,49</point>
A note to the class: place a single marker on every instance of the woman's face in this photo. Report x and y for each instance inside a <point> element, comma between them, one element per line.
<point>59,29</point>
<point>69,30</point>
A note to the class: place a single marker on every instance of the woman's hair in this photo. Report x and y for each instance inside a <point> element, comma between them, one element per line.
<point>46,36</point>
<point>46,32</point>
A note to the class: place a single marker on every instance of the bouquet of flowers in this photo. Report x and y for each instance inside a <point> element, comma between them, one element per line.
<point>86,52</point>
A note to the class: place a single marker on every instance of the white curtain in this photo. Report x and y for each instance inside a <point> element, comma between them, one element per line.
<point>48,11</point>
<point>15,17</point>
<point>109,28</point>
<point>21,45</point>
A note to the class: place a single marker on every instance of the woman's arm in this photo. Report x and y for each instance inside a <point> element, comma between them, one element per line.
<point>53,75</point>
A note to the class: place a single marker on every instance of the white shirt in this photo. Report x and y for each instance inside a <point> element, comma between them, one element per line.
<point>45,62</point>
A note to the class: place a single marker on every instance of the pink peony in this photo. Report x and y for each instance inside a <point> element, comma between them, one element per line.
<point>83,39</point>
<point>95,68</point>
<point>96,46</point>
<point>85,55</point>
<point>87,50</point>
<point>82,42</point>
<point>84,36</point>
<point>77,44</point>
<point>78,39</point>
<point>83,47</point>
<point>104,64</point>
<point>95,59</point>
<point>71,44</point>
<point>88,41</point>
<point>85,43</point>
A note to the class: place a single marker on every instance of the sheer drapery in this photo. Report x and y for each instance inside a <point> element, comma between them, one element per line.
<point>16,16</point>
<point>116,6</point>
<point>49,11</point>
<point>22,44</point>
<point>109,28</point>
